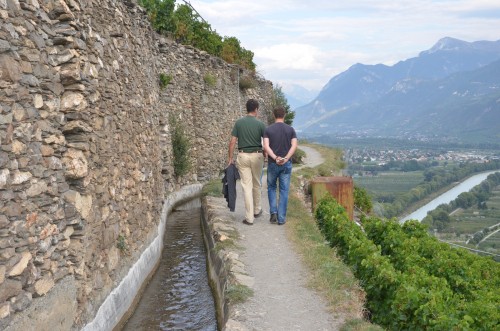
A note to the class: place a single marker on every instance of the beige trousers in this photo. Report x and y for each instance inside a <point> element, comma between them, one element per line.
<point>250,168</point>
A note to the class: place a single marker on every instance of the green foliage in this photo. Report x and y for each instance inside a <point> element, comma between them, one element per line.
<point>298,156</point>
<point>232,52</point>
<point>210,79</point>
<point>362,200</point>
<point>213,188</point>
<point>160,14</point>
<point>279,99</point>
<point>247,82</point>
<point>180,147</point>
<point>121,243</point>
<point>412,281</point>
<point>165,80</point>
<point>238,293</point>
<point>189,28</point>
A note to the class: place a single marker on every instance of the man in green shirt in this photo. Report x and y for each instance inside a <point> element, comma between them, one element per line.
<point>248,132</point>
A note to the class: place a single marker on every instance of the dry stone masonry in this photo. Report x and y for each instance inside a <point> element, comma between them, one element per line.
<point>86,155</point>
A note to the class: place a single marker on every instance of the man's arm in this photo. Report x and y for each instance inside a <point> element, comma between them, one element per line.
<point>232,143</point>
<point>268,150</point>
<point>292,149</point>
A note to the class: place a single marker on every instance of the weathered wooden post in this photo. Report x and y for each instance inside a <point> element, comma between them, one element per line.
<point>341,188</point>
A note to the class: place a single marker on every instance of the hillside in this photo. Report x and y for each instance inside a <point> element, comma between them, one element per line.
<point>449,92</point>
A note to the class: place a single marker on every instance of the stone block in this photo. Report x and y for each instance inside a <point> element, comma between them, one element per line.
<point>63,57</point>
<point>10,288</point>
<point>4,310</point>
<point>44,285</point>
<point>4,46</point>
<point>4,221</point>
<point>4,176</point>
<point>70,73</point>
<point>38,101</point>
<point>10,70</point>
<point>13,209</point>
<point>3,269</point>
<point>75,163</point>
<point>73,101</point>
<point>18,147</point>
<point>19,177</point>
<point>6,252</point>
<point>19,268</point>
<point>37,188</point>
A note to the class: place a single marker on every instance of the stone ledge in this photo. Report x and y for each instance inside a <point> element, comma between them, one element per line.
<point>225,267</point>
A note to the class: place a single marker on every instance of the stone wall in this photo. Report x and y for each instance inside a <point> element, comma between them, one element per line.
<point>86,154</point>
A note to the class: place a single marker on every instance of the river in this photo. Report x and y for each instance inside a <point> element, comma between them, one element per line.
<point>448,196</point>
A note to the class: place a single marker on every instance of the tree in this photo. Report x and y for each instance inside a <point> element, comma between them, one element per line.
<point>160,13</point>
<point>279,99</point>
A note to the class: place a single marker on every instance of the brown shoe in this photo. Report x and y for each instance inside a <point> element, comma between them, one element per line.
<point>258,214</point>
<point>247,222</point>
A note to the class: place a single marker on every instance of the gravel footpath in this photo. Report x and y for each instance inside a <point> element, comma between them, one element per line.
<point>281,300</point>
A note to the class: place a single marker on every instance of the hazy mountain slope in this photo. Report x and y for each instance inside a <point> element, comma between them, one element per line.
<point>450,89</point>
<point>461,103</point>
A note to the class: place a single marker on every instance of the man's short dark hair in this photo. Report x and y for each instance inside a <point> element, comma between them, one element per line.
<point>252,105</point>
<point>279,112</point>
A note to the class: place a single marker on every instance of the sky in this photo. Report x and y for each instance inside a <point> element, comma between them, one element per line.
<point>309,42</point>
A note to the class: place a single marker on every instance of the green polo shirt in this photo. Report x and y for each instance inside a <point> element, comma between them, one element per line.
<point>249,131</point>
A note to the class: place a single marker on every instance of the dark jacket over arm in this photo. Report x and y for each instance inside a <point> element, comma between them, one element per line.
<point>231,175</point>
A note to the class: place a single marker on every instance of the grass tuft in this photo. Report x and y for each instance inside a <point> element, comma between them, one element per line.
<point>238,293</point>
<point>213,188</point>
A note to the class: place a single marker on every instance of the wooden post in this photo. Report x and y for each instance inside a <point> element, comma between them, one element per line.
<point>341,188</point>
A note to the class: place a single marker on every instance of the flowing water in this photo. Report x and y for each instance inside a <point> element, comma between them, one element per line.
<point>448,196</point>
<point>178,296</point>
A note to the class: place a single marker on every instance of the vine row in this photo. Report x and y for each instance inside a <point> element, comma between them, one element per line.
<point>413,281</point>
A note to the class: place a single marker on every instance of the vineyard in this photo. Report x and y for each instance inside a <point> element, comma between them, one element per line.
<point>393,182</point>
<point>413,281</point>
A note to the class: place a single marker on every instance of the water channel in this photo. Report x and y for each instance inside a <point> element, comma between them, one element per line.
<point>178,297</point>
<point>448,196</point>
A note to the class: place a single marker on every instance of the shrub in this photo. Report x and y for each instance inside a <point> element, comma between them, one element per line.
<point>298,156</point>
<point>164,80</point>
<point>187,27</point>
<point>121,243</point>
<point>180,147</point>
<point>362,200</point>
<point>247,82</point>
<point>210,79</point>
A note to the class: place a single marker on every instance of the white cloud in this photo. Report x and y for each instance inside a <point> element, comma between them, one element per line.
<point>290,56</point>
<point>296,41</point>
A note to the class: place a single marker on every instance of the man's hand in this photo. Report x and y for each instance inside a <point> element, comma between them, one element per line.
<point>280,160</point>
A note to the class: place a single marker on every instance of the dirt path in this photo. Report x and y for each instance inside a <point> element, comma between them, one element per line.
<point>281,300</point>
<point>313,157</point>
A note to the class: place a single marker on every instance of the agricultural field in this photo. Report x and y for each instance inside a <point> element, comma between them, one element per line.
<point>391,182</point>
<point>465,222</point>
<point>492,244</point>
<point>473,219</point>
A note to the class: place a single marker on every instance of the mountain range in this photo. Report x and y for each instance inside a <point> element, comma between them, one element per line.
<point>297,95</point>
<point>450,92</point>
